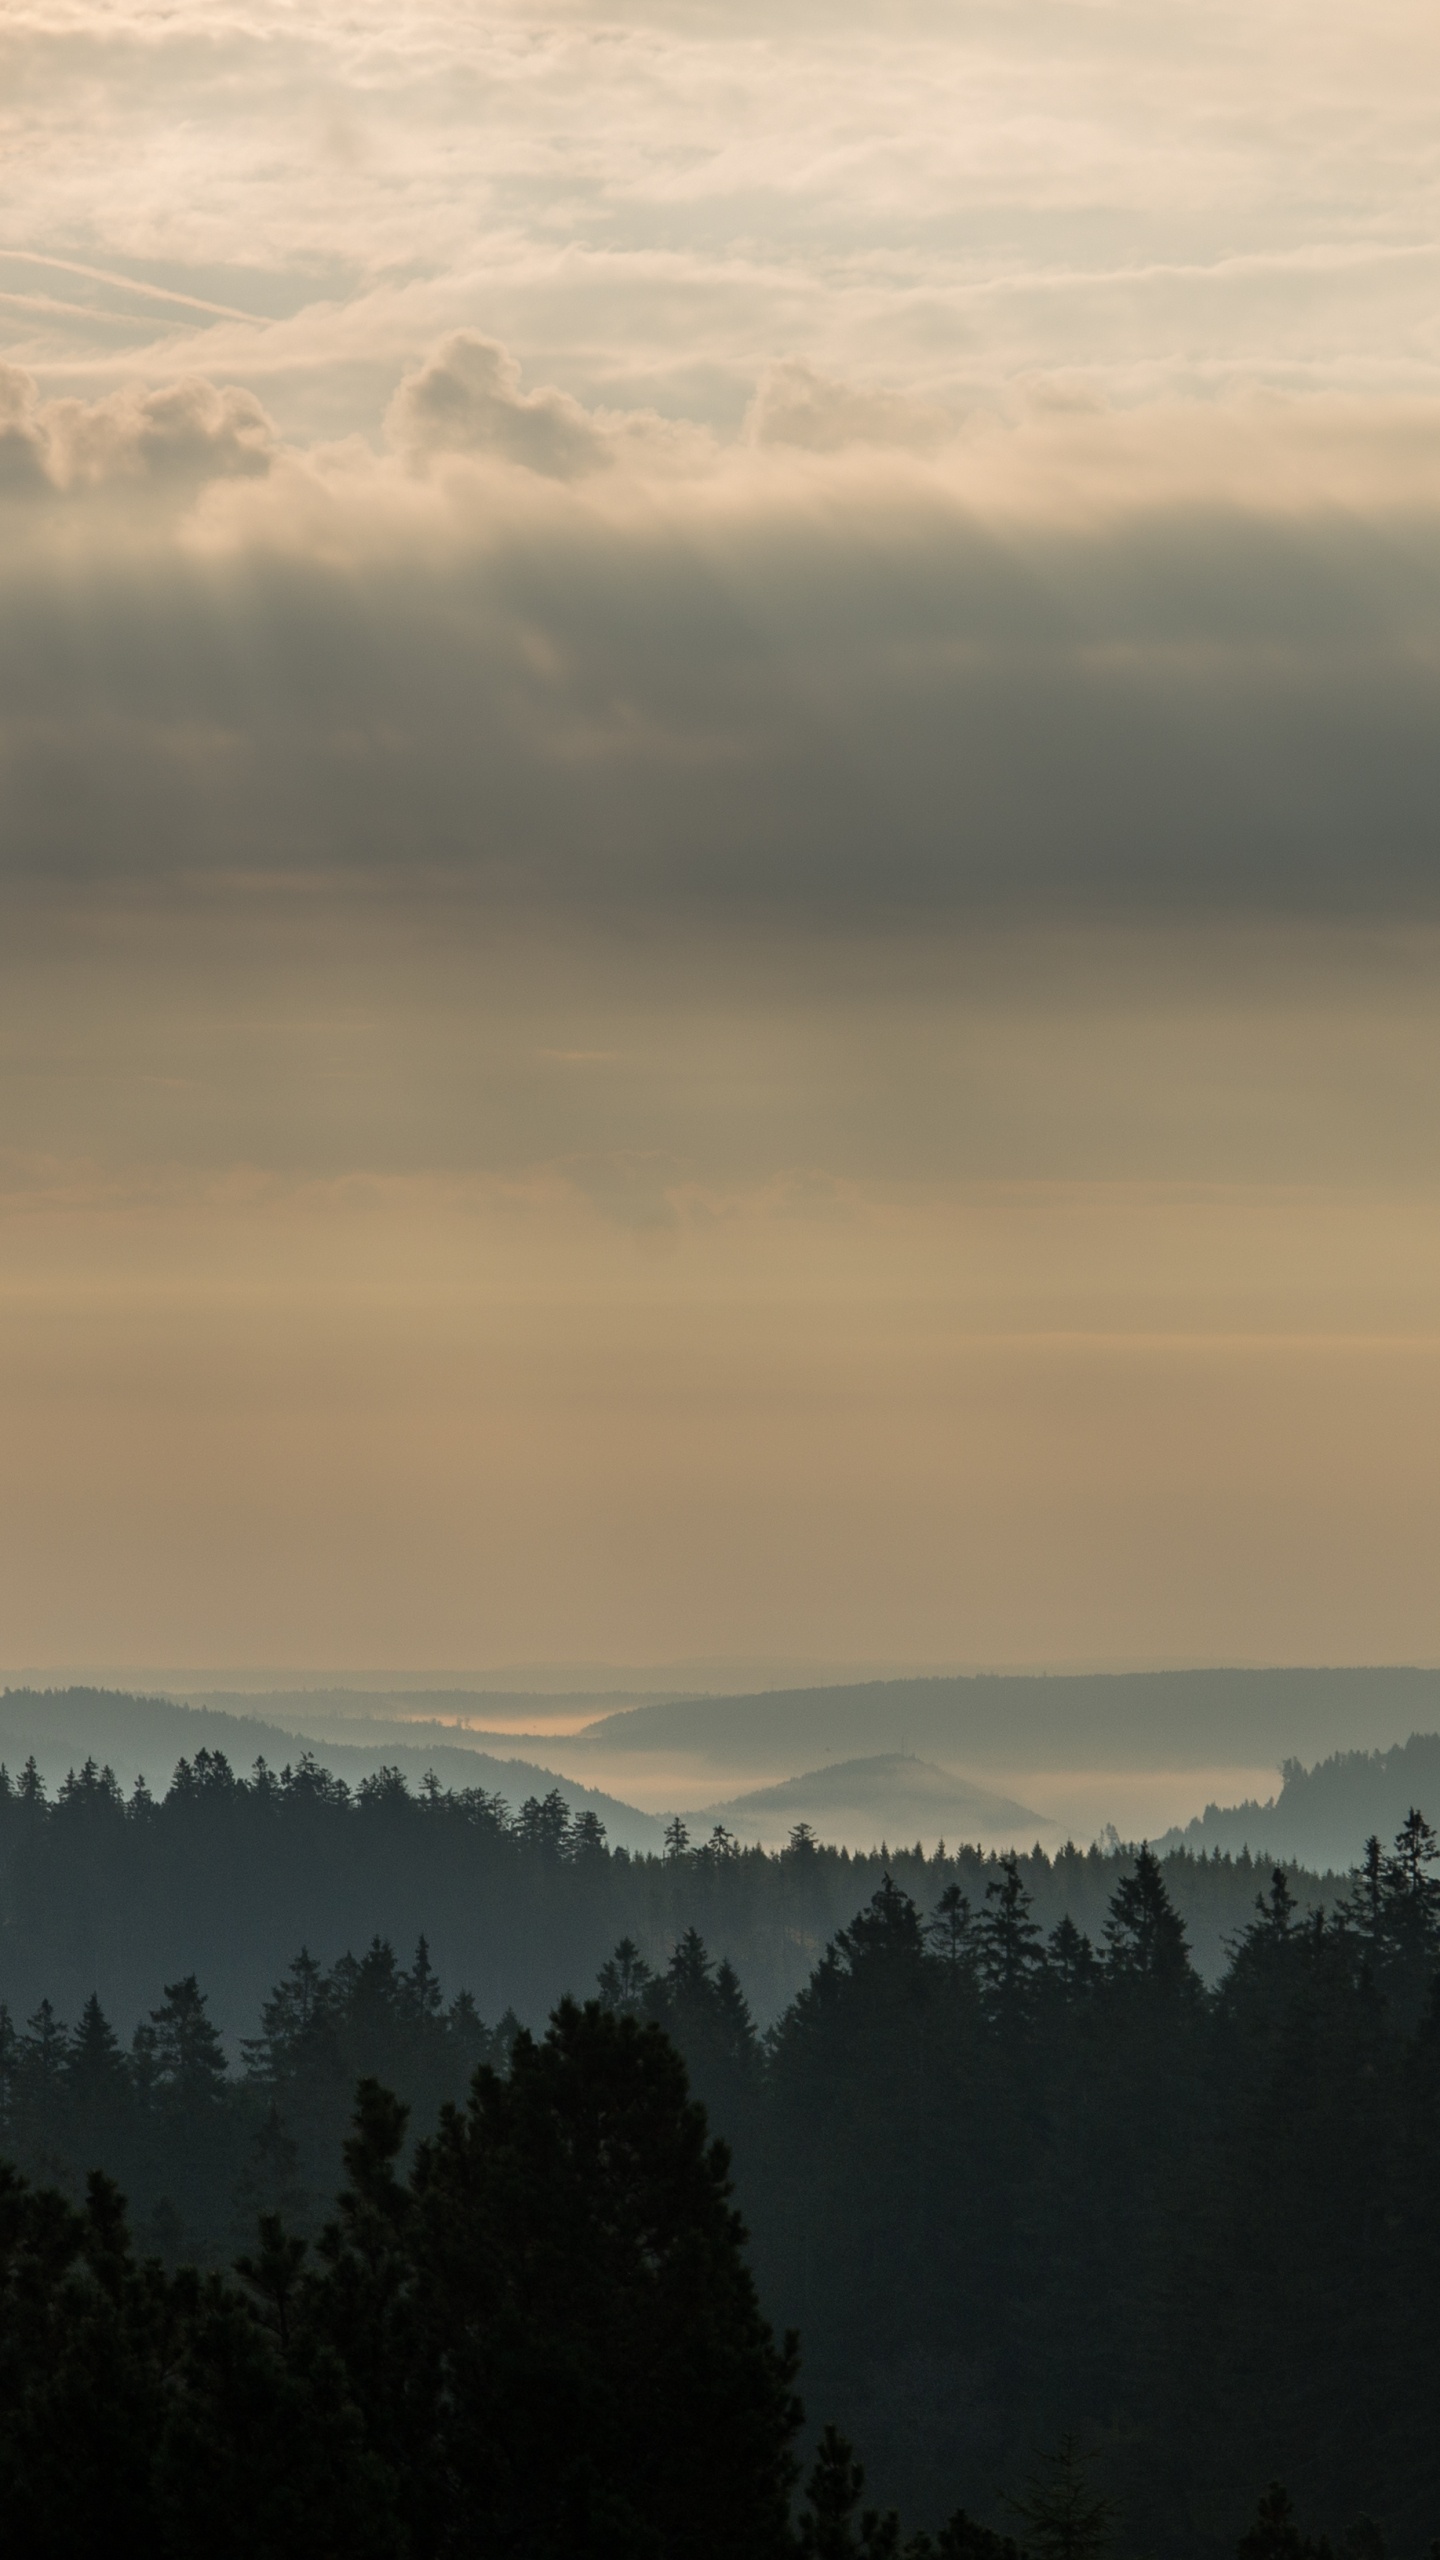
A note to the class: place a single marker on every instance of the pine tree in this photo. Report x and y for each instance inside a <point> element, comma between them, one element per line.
<point>737,2026</point>
<point>1276,1910</point>
<point>706,2015</point>
<point>190,2062</point>
<point>542,1825</point>
<point>949,1931</point>
<point>1363,1908</point>
<point>1008,1944</point>
<point>39,2110</point>
<point>587,1839</point>
<point>97,2093</point>
<point>832,2525</point>
<point>1275,2535</point>
<point>624,1980</point>
<point>1410,1893</point>
<point>1070,1965</point>
<point>576,2283</point>
<point>832,2499</point>
<point>1064,2516</point>
<point>888,1931</point>
<point>1145,1941</point>
<point>419,1988</point>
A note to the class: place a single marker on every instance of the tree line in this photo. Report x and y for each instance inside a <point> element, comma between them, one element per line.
<point>1012,2184</point>
<point>225,1875</point>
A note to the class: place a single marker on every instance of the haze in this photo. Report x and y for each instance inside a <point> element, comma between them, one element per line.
<point>718,927</point>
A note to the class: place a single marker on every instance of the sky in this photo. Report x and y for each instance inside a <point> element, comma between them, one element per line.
<point>719,833</point>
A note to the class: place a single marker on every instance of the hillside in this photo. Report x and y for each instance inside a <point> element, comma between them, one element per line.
<point>144,1737</point>
<point>1320,1813</point>
<point>891,1796</point>
<point>1093,1720</point>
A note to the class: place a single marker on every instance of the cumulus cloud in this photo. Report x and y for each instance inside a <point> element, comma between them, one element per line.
<point>171,437</point>
<point>467,399</point>
<point>176,435</point>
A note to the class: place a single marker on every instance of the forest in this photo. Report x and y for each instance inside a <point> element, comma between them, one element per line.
<point>1065,2229</point>
<point>226,1876</point>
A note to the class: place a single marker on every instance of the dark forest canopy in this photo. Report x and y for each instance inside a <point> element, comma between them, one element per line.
<point>225,1876</point>
<point>543,2342</point>
<point>1012,2181</point>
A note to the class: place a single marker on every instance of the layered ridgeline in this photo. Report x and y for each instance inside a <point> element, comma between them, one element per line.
<point>1012,2185</point>
<point>997,1757</point>
<point>144,1737</point>
<point>1011,1720</point>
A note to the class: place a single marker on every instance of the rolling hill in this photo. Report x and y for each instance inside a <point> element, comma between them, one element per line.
<point>146,1736</point>
<point>889,1796</point>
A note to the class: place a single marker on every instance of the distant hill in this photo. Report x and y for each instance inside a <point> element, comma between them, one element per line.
<point>138,1737</point>
<point>1323,1814</point>
<point>892,1797</point>
<point>1138,1719</point>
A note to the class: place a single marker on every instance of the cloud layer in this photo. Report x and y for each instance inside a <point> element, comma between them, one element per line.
<point>726,462</point>
<point>578,655</point>
<point>719,830</point>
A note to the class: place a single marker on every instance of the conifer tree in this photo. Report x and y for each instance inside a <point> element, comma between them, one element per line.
<point>832,2524</point>
<point>950,1929</point>
<point>1274,2534</point>
<point>1008,1944</point>
<point>624,1979</point>
<point>605,2380</point>
<point>98,2105</point>
<point>1363,1908</point>
<point>1145,1941</point>
<point>1064,2516</point>
<point>1070,1965</point>
<point>189,2053</point>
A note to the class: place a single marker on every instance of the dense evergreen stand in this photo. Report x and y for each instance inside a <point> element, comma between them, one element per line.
<point>1018,2189</point>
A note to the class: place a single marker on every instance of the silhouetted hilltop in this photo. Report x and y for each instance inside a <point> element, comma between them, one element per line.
<point>1320,1812</point>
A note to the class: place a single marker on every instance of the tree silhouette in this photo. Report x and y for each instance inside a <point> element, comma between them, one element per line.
<point>1064,2516</point>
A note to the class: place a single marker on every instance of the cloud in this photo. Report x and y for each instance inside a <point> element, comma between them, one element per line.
<point>694,963</point>
<point>177,435</point>
<point>172,437</point>
<point>1032,676</point>
<point>467,399</point>
<point>22,436</point>
<point>796,405</point>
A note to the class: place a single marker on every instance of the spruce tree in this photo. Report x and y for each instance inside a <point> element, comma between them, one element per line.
<point>1008,1945</point>
<point>1145,1941</point>
<point>624,1980</point>
<point>576,2356</point>
<point>1064,2515</point>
